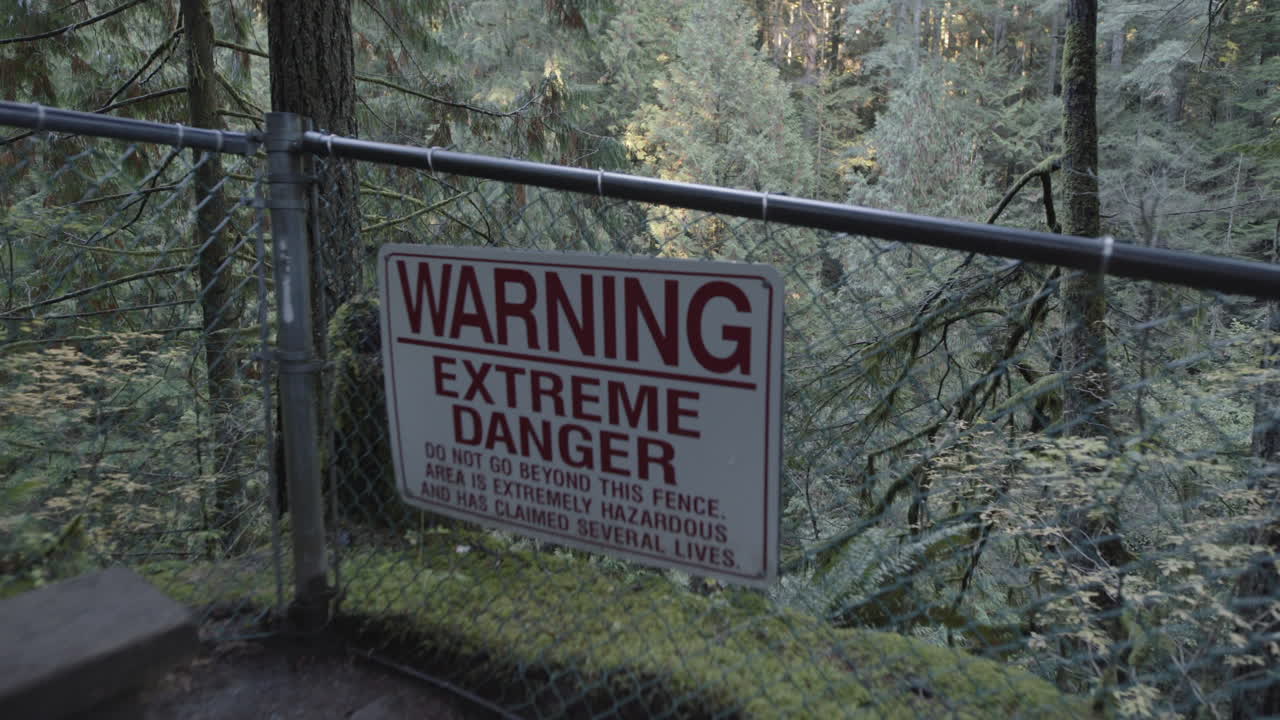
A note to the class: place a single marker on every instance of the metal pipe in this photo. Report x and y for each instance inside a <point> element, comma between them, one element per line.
<point>39,117</point>
<point>1208,272</point>
<point>298,368</point>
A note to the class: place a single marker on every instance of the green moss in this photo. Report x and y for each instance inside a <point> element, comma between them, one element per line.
<point>562,634</point>
<point>362,453</point>
<point>366,481</point>
<point>246,580</point>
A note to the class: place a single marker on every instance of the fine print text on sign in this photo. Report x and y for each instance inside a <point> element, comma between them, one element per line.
<point>622,405</point>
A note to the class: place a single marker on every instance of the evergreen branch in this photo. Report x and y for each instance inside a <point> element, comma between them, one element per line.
<point>1271,198</point>
<point>400,88</point>
<point>121,196</point>
<point>451,103</point>
<point>72,26</point>
<point>69,451</point>
<point>13,313</point>
<point>368,187</point>
<point>113,311</point>
<point>241,48</point>
<point>416,213</point>
<point>150,59</point>
<point>121,251</point>
<point>395,31</point>
<point>103,109</point>
<point>235,95</point>
<point>13,347</point>
<point>142,98</point>
<point>469,226</point>
<point>143,199</point>
<point>255,119</point>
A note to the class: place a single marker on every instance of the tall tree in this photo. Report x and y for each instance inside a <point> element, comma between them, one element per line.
<point>1258,691</point>
<point>218,305</point>
<point>1084,350</point>
<point>721,115</point>
<point>1094,549</point>
<point>313,74</point>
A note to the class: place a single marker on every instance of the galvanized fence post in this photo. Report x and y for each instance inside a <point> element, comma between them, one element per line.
<point>298,368</point>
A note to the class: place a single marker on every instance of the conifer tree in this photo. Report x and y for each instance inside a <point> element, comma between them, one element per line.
<point>721,116</point>
<point>219,307</point>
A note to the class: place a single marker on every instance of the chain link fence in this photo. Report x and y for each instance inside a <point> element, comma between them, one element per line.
<point>1008,488</point>
<point>971,525</point>
<point>134,423</point>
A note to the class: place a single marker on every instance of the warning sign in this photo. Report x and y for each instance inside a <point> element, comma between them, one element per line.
<point>623,405</point>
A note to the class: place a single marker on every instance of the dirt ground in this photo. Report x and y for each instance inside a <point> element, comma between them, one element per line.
<point>282,679</point>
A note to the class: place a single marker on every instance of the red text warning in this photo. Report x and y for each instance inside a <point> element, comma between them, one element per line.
<point>623,405</point>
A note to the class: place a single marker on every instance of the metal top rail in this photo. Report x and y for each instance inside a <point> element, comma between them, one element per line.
<point>39,118</point>
<point>1103,255</point>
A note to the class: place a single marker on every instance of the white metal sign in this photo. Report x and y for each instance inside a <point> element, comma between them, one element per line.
<point>623,405</point>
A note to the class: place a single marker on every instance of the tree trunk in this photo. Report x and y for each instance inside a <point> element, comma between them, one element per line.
<point>810,17</point>
<point>1177,100</point>
<point>1084,296</point>
<point>916,7</point>
<point>1094,547</point>
<point>313,74</point>
<point>833,39</point>
<point>1055,48</point>
<point>218,305</point>
<point>1117,48</point>
<point>1257,692</point>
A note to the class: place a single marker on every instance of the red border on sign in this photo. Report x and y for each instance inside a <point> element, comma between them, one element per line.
<point>490,519</point>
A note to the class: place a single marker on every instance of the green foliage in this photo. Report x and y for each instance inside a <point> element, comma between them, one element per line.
<point>928,487</point>
<point>927,159</point>
<point>722,116</point>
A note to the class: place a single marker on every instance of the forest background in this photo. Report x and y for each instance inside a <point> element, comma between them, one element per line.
<point>1159,468</point>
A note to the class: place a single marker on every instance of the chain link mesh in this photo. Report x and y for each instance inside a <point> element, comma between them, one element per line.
<point>972,523</point>
<point>989,505</point>
<point>132,428</point>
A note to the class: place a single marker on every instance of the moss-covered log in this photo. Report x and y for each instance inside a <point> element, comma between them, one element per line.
<point>556,635</point>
